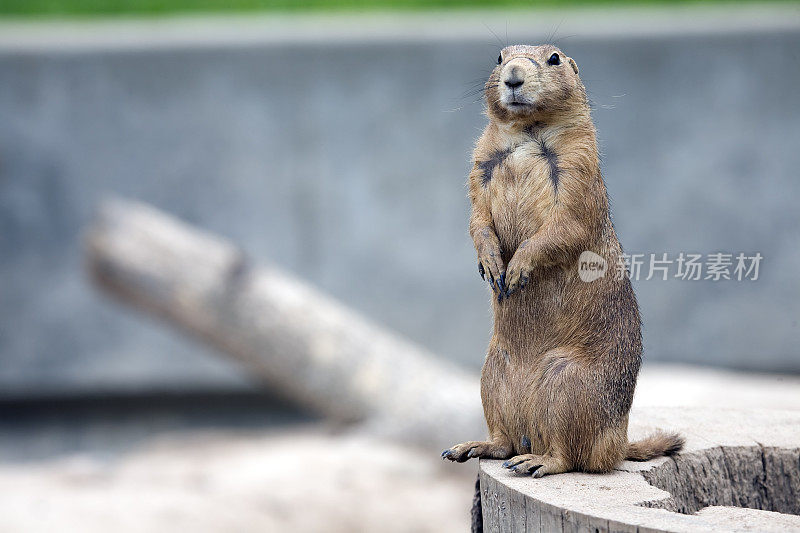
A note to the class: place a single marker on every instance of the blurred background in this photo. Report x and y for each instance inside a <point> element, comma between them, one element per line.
<point>332,141</point>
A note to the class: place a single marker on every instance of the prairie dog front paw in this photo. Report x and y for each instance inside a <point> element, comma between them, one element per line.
<point>519,270</point>
<point>490,260</point>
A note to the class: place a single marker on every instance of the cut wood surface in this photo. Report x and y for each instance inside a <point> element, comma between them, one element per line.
<point>304,345</point>
<point>738,472</point>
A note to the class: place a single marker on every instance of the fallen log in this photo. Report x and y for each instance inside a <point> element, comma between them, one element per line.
<point>304,345</point>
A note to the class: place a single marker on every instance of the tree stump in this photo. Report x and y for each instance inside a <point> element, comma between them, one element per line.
<point>740,471</point>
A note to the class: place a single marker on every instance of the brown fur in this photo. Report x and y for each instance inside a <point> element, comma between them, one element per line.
<point>559,376</point>
<point>655,445</point>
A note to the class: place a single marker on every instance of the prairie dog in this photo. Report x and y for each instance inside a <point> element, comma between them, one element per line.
<point>558,380</point>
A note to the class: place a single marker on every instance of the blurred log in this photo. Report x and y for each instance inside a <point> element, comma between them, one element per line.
<point>303,344</point>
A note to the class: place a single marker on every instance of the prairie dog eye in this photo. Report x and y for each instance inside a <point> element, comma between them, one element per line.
<point>554,60</point>
<point>499,59</point>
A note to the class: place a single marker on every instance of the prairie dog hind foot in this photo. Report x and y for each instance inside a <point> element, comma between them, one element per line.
<point>480,449</point>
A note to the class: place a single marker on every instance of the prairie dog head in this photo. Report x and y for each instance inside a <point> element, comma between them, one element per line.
<point>533,83</point>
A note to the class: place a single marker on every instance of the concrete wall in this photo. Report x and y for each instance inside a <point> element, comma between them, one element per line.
<point>345,163</point>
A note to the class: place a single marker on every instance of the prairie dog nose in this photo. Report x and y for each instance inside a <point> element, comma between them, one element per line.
<point>514,78</point>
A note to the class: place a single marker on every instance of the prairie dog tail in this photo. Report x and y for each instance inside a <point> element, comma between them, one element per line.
<point>655,445</point>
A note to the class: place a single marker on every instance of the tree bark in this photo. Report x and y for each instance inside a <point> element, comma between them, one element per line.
<point>303,344</point>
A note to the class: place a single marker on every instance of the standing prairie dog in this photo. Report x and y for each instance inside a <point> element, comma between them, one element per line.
<point>559,376</point>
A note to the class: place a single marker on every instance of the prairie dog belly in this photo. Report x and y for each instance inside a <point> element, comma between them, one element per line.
<point>522,193</point>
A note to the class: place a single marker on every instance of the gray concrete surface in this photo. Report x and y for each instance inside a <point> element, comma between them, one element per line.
<point>344,162</point>
<point>733,458</point>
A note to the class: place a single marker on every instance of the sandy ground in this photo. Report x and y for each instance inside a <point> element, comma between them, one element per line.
<point>304,478</point>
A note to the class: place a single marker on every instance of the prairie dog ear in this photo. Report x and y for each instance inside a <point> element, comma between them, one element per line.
<point>573,64</point>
